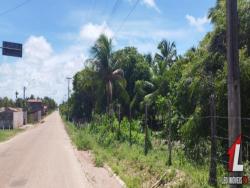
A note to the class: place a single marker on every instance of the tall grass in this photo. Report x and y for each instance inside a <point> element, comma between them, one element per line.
<point>130,162</point>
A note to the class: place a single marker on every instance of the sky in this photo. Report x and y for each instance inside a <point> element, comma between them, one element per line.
<point>57,36</point>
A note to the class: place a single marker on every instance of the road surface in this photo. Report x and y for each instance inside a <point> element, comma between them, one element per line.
<point>41,157</point>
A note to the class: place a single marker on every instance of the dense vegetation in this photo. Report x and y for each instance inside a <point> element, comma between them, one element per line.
<point>165,92</point>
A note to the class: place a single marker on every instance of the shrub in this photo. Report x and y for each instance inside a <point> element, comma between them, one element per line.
<point>83,141</point>
<point>99,161</point>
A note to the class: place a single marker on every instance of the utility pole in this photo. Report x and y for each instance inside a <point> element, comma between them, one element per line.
<point>24,90</point>
<point>16,93</point>
<point>119,120</point>
<point>234,106</point>
<point>68,78</point>
<point>169,137</point>
<point>213,164</point>
<point>24,99</point>
<point>146,130</point>
<point>130,121</point>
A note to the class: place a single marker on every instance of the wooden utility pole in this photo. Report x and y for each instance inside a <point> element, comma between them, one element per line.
<point>234,106</point>
<point>130,121</point>
<point>119,121</point>
<point>146,130</point>
<point>24,90</point>
<point>213,164</point>
<point>16,95</point>
<point>169,138</point>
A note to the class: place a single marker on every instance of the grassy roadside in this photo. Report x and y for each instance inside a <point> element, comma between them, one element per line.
<point>138,170</point>
<point>7,134</point>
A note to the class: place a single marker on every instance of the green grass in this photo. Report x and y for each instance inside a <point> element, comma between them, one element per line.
<point>7,134</point>
<point>136,169</point>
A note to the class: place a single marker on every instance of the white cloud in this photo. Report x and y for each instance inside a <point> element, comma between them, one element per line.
<point>152,4</point>
<point>198,23</point>
<point>92,31</point>
<point>37,48</point>
<point>41,70</point>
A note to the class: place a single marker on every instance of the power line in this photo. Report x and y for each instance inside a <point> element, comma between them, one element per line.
<point>219,117</point>
<point>91,10</point>
<point>14,8</point>
<point>109,18</point>
<point>116,5</point>
<point>125,19</point>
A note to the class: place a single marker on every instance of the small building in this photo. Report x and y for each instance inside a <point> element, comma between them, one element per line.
<point>35,105</point>
<point>11,118</point>
<point>35,109</point>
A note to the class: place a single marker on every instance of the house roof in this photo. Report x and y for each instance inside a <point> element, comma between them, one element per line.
<point>34,101</point>
<point>10,109</point>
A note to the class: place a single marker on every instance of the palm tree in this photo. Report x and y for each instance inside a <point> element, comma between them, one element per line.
<point>167,54</point>
<point>103,64</point>
<point>163,61</point>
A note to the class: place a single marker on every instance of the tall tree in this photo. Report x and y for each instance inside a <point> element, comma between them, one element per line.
<point>167,54</point>
<point>102,59</point>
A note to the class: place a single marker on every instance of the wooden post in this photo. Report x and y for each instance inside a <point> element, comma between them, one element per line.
<point>130,135</point>
<point>213,164</point>
<point>119,120</point>
<point>169,139</point>
<point>234,106</point>
<point>146,130</point>
<point>24,89</point>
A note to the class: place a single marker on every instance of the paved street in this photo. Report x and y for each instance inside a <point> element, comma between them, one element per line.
<point>41,157</point>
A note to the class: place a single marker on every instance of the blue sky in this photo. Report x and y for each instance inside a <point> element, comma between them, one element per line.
<point>58,34</point>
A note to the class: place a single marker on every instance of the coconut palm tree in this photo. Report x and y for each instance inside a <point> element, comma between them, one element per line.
<point>103,65</point>
<point>147,91</point>
<point>163,60</point>
<point>167,55</point>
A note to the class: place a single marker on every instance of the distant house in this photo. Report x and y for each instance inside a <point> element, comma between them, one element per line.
<point>35,110</point>
<point>35,105</point>
<point>11,118</point>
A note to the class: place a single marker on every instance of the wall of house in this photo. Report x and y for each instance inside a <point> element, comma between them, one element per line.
<point>33,107</point>
<point>17,119</point>
<point>6,120</point>
<point>34,117</point>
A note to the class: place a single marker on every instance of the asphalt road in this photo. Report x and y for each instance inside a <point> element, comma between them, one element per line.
<point>41,157</point>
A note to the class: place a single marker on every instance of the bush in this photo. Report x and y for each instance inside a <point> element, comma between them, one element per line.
<point>99,161</point>
<point>108,133</point>
<point>83,141</point>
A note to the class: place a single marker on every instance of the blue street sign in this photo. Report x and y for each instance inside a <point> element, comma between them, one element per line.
<point>12,49</point>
